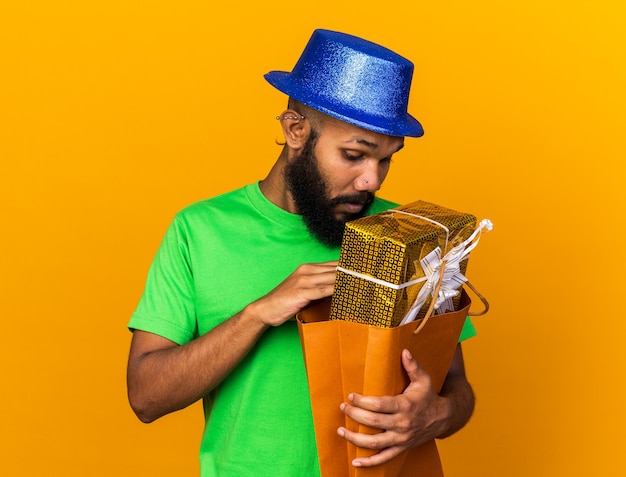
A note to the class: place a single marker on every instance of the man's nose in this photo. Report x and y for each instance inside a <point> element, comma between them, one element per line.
<point>369,180</point>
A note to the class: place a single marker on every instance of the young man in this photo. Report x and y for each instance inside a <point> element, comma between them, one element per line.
<point>216,319</point>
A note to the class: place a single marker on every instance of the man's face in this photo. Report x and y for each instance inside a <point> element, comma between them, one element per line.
<point>334,178</point>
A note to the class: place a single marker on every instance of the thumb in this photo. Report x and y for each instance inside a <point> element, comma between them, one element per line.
<point>412,367</point>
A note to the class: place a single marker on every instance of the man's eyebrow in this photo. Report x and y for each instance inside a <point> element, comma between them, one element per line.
<point>371,145</point>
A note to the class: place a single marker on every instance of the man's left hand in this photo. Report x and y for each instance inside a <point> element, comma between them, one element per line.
<point>407,420</point>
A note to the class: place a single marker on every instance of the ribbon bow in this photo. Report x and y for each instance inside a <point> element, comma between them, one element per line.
<point>443,288</point>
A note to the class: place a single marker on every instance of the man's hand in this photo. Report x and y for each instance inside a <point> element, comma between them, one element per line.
<point>307,283</point>
<point>412,418</point>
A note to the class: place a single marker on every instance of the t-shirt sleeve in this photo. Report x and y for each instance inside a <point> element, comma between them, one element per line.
<point>468,330</point>
<point>167,306</point>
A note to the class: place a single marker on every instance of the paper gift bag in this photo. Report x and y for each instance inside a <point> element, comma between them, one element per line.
<point>343,357</point>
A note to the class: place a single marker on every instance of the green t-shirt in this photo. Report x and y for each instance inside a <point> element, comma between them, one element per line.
<point>218,256</point>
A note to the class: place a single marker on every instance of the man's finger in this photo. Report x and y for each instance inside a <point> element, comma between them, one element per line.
<point>377,440</point>
<point>377,459</point>
<point>413,369</point>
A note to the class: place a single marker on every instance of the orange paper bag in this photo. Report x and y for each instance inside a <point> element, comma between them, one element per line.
<point>343,357</point>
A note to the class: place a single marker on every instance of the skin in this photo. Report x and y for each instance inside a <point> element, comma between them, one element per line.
<point>163,376</point>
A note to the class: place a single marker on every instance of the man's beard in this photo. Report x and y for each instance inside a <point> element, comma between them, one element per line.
<point>310,193</point>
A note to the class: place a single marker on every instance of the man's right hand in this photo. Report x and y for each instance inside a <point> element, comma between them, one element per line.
<point>309,282</point>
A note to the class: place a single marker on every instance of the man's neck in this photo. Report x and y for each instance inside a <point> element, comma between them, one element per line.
<point>274,187</point>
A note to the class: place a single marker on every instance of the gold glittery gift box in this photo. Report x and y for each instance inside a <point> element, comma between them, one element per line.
<point>388,246</point>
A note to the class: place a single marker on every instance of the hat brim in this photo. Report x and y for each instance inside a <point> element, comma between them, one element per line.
<point>406,126</point>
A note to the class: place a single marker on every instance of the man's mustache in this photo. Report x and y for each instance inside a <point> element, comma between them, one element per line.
<point>363,198</point>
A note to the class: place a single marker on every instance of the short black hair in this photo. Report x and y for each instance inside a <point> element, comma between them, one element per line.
<point>316,117</point>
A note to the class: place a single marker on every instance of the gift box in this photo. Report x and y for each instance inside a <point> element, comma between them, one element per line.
<point>387,258</point>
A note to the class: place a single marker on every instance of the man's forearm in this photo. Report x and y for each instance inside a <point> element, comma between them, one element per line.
<point>459,393</point>
<point>164,377</point>
<point>461,396</point>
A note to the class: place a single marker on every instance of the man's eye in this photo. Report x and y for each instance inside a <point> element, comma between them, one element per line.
<point>353,156</point>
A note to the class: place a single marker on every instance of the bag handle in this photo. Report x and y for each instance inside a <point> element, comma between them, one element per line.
<point>431,308</point>
<point>482,298</point>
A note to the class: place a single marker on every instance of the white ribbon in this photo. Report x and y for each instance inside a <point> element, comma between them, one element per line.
<point>378,281</point>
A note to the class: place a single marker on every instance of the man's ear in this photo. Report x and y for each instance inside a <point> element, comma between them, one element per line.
<point>296,129</point>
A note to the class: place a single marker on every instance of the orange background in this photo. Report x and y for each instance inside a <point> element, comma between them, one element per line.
<point>114,115</point>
